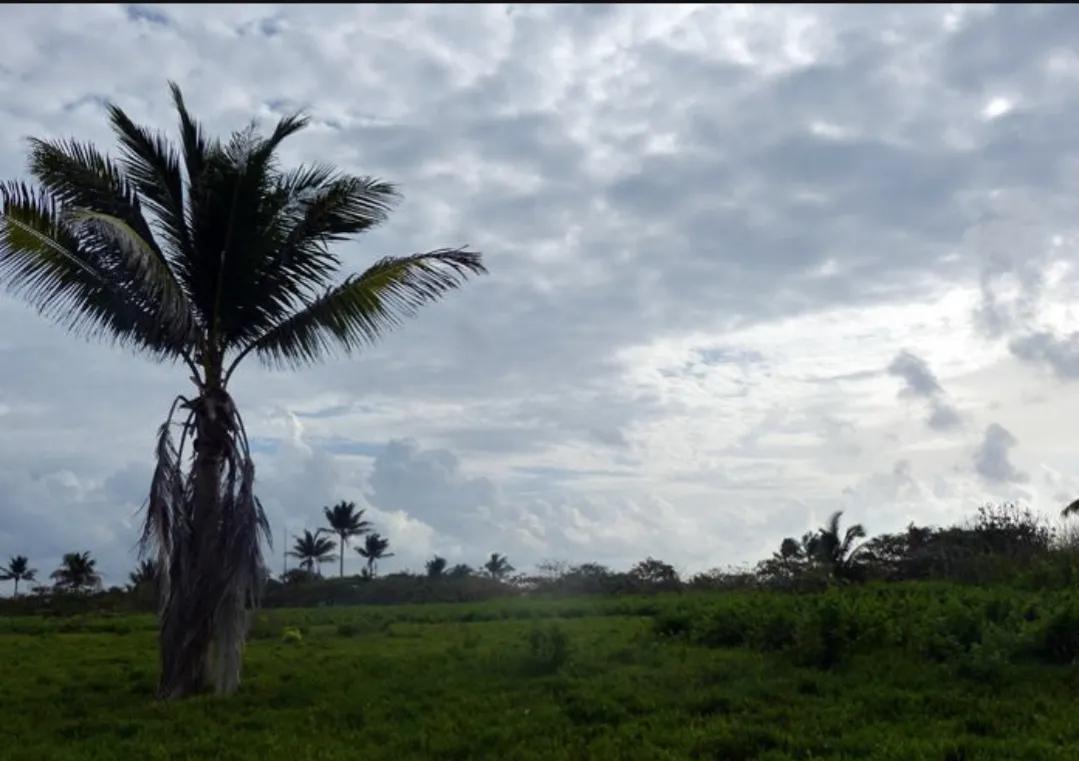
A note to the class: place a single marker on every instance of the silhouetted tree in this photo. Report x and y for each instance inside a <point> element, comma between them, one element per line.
<point>312,550</point>
<point>836,552</point>
<point>460,571</point>
<point>77,573</point>
<point>205,254</point>
<point>346,521</point>
<point>654,572</point>
<point>435,567</point>
<point>17,569</point>
<point>498,566</point>
<point>374,549</point>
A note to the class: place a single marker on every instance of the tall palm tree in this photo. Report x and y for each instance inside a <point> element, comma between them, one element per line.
<point>77,573</point>
<point>346,521</point>
<point>204,255</point>
<point>436,566</point>
<point>374,549</point>
<point>836,551</point>
<point>313,550</point>
<point>17,569</point>
<point>498,566</point>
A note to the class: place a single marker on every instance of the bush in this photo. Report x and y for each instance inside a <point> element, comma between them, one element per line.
<point>1060,636</point>
<point>548,648</point>
<point>291,635</point>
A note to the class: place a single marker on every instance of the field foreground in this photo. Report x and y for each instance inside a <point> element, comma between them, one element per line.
<point>903,672</point>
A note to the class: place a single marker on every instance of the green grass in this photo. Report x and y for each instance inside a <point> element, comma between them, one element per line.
<point>906,672</point>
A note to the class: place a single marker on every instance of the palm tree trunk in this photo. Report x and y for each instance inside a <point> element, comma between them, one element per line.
<point>187,630</point>
<point>16,592</point>
<point>342,574</point>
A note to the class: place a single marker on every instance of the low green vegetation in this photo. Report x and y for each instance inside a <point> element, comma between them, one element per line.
<point>913,670</point>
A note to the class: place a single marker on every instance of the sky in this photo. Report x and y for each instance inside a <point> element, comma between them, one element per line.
<point>748,266</point>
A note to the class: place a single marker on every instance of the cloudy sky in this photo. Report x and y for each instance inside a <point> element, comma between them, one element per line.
<point>749,265</point>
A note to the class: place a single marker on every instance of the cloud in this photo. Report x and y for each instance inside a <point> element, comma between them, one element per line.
<point>916,373</point>
<point>708,229</point>
<point>1060,355</point>
<point>991,460</point>
<point>919,382</point>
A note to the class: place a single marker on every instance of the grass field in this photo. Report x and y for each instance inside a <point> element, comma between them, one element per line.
<point>906,672</point>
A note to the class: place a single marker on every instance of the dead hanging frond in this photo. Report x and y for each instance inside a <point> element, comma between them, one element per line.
<point>166,518</point>
<point>202,596</point>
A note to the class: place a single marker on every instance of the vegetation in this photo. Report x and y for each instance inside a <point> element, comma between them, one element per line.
<point>18,569</point>
<point>77,573</point>
<point>435,567</point>
<point>498,566</point>
<point>312,550</point>
<point>345,521</point>
<point>205,254</point>
<point>374,549</point>
<point>931,670</point>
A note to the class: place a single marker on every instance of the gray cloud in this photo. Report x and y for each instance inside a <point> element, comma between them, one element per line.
<point>919,379</point>
<point>637,177</point>
<point>1061,355</point>
<point>919,382</point>
<point>991,459</point>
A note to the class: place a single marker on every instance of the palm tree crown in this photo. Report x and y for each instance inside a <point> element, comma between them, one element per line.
<point>836,551</point>
<point>374,549</point>
<point>498,566</point>
<point>77,573</point>
<point>346,521</point>
<point>17,569</point>
<point>436,566</point>
<point>205,253</point>
<point>313,550</point>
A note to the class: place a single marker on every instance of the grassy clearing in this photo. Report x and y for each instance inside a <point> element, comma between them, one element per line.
<point>904,672</point>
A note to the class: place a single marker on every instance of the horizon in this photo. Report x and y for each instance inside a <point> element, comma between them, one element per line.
<point>748,266</point>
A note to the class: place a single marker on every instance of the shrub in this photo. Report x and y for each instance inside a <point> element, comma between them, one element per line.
<point>548,648</point>
<point>1060,636</point>
<point>291,635</point>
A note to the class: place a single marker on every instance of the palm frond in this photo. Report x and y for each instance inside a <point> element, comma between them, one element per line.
<point>1072,509</point>
<point>69,277</point>
<point>153,278</point>
<point>153,166</point>
<point>359,310</point>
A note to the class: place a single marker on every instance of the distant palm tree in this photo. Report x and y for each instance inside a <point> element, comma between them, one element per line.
<point>1071,509</point>
<point>838,553</point>
<point>346,522</point>
<point>374,549</point>
<point>312,550</point>
<point>436,566</point>
<point>460,571</point>
<point>207,253</point>
<point>498,566</point>
<point>17,569</point>
<point>77,573</point>
<point>144,573</point>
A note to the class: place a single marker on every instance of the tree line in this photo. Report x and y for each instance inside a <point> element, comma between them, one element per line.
<point>998,541</point>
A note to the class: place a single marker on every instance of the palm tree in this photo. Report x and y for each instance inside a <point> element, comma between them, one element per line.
<point>374,549</point>
<point>346,521</point>
<point>313,550</point>
<point>836,552</point>
<point>206,254</point>
<point>144,573</point>
<point>17,569</point>
<point>1071,509</point>
<point>77,573</point>
<point>436,566</point>
<point>498,566</point>
<point>460,571</point>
